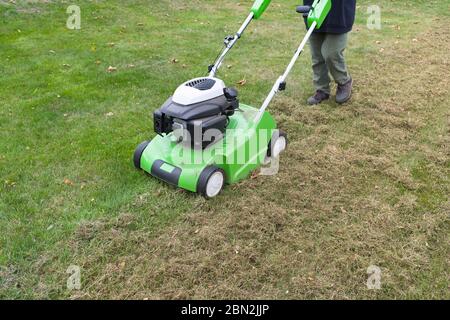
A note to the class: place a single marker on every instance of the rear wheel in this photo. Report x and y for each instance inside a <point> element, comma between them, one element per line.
<point>138,154</point>
<point>277,144</point>
<point>211,182</point>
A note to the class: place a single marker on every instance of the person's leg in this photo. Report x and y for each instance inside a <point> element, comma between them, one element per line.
<point>333,52</point>
<point>321,78</point>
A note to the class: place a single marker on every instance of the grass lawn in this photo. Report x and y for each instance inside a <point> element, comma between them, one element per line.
<point>362,184</point>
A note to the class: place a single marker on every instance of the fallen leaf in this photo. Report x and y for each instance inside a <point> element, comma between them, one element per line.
<point>68,182</point>
<point>242,82</point>
<point>10,183</point>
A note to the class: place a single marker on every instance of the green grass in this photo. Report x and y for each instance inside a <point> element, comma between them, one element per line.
<point>362,184</point>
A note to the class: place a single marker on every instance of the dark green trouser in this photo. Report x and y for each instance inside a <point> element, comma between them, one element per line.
<point>328,57</point>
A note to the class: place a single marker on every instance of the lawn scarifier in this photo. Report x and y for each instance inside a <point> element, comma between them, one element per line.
<point>206,138</point>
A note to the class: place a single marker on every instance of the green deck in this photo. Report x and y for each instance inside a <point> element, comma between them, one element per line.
<point>236,155</point>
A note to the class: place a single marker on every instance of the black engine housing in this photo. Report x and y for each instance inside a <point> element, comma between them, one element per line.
<point>197,118</point>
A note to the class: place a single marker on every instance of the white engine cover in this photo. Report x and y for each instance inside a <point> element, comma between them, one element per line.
<point>187,95</point>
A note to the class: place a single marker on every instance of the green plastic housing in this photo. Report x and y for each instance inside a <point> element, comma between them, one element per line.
<point>319,12</point>
<point>165,149</point>
<point>259,7</point>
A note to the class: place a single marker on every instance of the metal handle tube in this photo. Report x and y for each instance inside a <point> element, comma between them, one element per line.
<point>230,45</point>
<point>281,79</point>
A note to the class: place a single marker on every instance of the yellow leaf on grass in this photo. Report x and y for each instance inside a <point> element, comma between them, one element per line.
<point>68,182</point>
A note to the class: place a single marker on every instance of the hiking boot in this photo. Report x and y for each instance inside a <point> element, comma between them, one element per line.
<point>344,92</point>
<point>318,98</point>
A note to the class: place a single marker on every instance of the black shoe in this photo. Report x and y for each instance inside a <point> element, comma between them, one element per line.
<point>344,92</point>
<point>318,98</point>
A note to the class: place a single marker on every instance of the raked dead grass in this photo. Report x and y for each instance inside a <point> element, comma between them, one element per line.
<point>362,184</point>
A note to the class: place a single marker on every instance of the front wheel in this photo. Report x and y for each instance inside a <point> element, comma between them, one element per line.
<point>138,154</point>
<point>211,182</point>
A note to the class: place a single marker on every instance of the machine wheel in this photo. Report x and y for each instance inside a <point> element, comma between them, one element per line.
<point>211,182</point>
<point>138,154</point>
<point>279,145</point>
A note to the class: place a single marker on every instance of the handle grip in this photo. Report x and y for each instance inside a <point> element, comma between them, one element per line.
<point>304,10</point>
<point>259,7</point>
<point>317,13</point>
